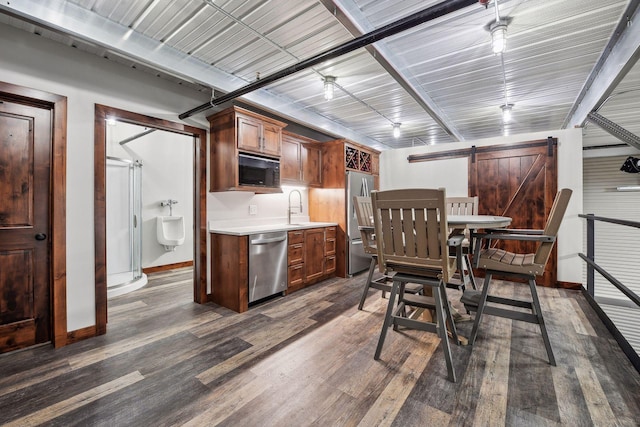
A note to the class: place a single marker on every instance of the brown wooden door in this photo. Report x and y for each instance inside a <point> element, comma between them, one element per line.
<point>25,141</point>
<point>271,139</point>
<point>249,134</point>
<point>314,254</point>
<point>521,183</point>
<point>290,160</point>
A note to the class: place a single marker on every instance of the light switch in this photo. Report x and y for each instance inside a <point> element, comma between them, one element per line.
<point>253,209</point>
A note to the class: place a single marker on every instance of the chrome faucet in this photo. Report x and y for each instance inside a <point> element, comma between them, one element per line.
<point>289,208</point>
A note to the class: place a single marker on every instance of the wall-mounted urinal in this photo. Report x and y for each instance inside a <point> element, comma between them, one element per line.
<point>170,231</point>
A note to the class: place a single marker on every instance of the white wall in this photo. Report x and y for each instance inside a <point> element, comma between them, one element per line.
<point>231,208</point>
<point>85,79</point>
<point>167,173</point>
<point>452,174</point>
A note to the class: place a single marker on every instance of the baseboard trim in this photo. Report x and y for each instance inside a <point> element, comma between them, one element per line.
<point>167,267</point>
<point>569,285</point>
<point>81,334</point>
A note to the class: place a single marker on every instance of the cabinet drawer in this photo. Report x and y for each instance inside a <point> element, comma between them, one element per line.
<point>330,264</point>
<point>331,232</point>
<point>296,275</point>
<point>330,246</point>
<point>295,253</point>
<point>296,236</point>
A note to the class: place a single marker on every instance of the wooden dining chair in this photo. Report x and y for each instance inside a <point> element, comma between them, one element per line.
<point>364,216</point>
<point>412,239</point>
<point>463,206</point>
<point>524,266</point>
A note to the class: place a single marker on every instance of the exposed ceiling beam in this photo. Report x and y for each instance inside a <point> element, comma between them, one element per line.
<point>615,129</point>
<point>70,19</point>
<point>351,17</point>
<point>618,57</point>
<point>364,40</point>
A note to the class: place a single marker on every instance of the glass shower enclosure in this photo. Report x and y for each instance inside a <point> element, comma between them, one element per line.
<point>124,226</point>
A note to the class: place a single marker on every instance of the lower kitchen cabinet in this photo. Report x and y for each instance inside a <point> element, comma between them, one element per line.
<point>230,271</point>
<point>311,256</point>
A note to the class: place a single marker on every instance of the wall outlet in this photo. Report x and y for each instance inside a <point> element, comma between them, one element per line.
<point>253,209</point>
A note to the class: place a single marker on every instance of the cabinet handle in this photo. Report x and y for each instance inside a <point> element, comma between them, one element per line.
<point>296,246</point>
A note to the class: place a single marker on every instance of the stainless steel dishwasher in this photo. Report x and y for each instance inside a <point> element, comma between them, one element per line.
<point>267,264</point>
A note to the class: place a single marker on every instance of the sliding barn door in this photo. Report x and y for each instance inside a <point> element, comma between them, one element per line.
<point>519,182</point>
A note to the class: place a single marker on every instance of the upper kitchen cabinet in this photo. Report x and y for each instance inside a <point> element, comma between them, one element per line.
<point>237,131</point>
<point>341,155</point>
<point>258,134</point>
<point>301,162</point>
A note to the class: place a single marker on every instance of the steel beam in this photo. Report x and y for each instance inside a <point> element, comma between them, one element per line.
<point>67,18</point>
<point>357,24</point>
<point>618,57</point>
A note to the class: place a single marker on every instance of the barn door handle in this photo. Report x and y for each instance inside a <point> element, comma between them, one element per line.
<point>41,236</point>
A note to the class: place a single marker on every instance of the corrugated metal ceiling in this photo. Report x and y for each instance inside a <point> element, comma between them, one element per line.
<point>553,46</point>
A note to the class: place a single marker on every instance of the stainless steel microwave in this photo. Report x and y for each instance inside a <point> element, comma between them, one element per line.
<point>258,171</point>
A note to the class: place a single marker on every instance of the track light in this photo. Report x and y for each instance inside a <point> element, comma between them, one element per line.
<point>396,130</point>
<point>506,112</point>
<point>329,86</point>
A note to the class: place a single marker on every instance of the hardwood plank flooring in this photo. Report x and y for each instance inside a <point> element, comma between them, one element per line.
<point>307,360</point>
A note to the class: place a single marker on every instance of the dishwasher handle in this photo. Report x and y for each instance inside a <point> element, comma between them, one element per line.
<point>265,241</point>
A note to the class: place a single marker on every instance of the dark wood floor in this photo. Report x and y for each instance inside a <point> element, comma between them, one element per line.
<point>307,359</point>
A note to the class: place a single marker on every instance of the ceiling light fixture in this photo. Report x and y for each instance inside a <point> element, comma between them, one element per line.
<point>329,87</point>
<point>498,37</point>
<point>498,32</point>
<point>506,107</point>
<point>506,112</point>
<point>396,130</point>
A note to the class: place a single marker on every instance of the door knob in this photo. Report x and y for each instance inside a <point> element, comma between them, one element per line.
<point>41,236</point>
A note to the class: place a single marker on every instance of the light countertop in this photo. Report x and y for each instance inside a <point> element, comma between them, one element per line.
<point>266,228</point>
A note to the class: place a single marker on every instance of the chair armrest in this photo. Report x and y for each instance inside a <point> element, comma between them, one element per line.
<point>522,237</point>
<point>512,231</point>
<point>455,240</point>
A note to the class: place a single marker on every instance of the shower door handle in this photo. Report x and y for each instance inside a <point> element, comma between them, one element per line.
<point>41,236</point>
<point>135,221</point>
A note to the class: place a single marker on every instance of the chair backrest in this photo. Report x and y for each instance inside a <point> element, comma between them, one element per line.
<point>462,205</point>
<point>364,216</point>
<point>411,231</point>
<point>554,220</point>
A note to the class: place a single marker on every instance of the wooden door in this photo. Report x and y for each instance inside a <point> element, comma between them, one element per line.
<point>519,182</point>
<point>271,139</point>
<point>314,254</point>
<point>311,159</point>
<point>249,134</point>
<point>290,161</point>
<point>25,141</point>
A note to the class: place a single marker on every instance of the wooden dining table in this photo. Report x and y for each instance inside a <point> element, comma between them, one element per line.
<point>459,223</point>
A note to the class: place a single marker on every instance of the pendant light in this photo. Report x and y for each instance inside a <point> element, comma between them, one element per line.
<point>396,130</point>
<point>329,87</point>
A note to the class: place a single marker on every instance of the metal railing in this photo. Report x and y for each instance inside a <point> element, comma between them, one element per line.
<point>592,267</point>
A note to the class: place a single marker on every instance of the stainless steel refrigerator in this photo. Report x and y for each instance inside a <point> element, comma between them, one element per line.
<point>358,184</point>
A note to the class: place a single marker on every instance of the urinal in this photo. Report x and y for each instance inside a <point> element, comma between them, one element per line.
<point>170,231</point>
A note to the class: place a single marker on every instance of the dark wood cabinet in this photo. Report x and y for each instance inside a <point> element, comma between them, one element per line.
<point>236,130</point>
<point>230,271</point>
<point>301,161</point>
<point>311,256</point>
<point>339,156</point>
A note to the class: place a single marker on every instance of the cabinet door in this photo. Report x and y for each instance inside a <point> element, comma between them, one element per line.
<point>290,161</point>
<point>249,134</point>
<point>314,253</point>
<point>311,159</point>
<point>271,139</point>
